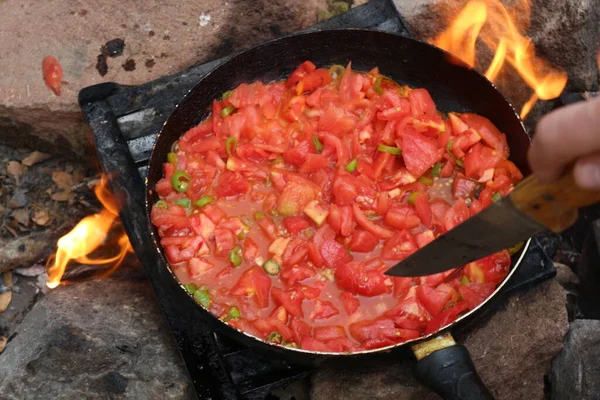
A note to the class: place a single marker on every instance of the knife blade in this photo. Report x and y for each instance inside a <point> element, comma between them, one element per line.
<point>531,208</point>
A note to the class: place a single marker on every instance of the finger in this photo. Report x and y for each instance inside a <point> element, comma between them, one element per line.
<point>587,172</point>
<point>563,136</point>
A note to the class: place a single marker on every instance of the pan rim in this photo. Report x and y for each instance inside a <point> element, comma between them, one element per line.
<point>514,265</point>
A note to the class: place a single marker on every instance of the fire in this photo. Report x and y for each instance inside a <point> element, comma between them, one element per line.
<point>493,25</point>
<point>88,235</point>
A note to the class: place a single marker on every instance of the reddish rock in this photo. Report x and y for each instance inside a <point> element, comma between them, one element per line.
<point>512,352</point>
<point>174,35</point>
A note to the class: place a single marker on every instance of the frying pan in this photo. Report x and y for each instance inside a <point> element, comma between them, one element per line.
<point>442,365</point>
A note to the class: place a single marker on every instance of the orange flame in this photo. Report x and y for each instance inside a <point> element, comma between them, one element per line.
<point>88,235</point>
<point>494,26</point>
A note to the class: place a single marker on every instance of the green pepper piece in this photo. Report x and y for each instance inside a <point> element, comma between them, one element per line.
<point>162,204</point>
<point>172,158</point>
<point>426,180</point>
<point>449,145</point>
<point>435,171</point>
<point>412,198</point>
<point>496,197</point>
<point>235,256</point>
<point>227,111</point>
<point>351,167</point>
<point>275,337</point>
<point>204,200</point>
<point>318,145</point>
<point>180,181</point>
<point>377,85</point>
<point>230,145</point>
<point>459,163</point>
<point>389,149</point>
<point>234,313</point>
<point>293,345</point>
<point>227,94</point>
<point>271,267</point>
<point>203,297</point>
<point>185,202</point>
<point>191,288</point>
<point>259,215</point>
<point>464,280</point>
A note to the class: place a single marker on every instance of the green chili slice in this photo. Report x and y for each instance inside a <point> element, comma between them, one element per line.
<point>271,267</point>
<point>426,180</point>
<point>230,145</point>
<point>449,145</point>
<point>227,94</point>
<point>351,167</point>
<point>203,297</point>
<point>180,181</point>
<point>496,197</point>
<point>172,158</point>
<point>162,204</point>
<point>435,171</point>
<point>377,85</point>
<point>191,288</point>
<point>389,149</point>
<point>412,198</point>
<point>464,280</point>
<point>204,200</point>
<point>235,256</point>
<point>275,337</point>
<point>227,111</point>
<point>259,214</point>
<point>459,163</point>
<point>185,202</point>
<point>234,312</point>
<point>290,344</point>
<point>318,145</point>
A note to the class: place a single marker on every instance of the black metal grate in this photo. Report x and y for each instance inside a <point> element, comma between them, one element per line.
<point>125,121</point>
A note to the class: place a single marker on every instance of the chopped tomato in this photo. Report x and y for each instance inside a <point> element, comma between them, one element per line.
<point>292,198</point>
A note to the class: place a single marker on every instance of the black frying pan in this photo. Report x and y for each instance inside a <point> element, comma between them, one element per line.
<point>443,366</point>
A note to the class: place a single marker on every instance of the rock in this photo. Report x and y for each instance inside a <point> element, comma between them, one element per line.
<point>100,339</point>
<point>512,350</point>
<point>575,370</point>
<point>173,36</point>
<point>18,199</point>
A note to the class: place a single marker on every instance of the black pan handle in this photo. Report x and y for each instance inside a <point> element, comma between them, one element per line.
<point>450,373</point>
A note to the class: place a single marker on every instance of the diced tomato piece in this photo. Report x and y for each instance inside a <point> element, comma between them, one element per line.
<point>399,246</point>
<point>251,250</point>
<point>290,299</point>
<point>424,238</point>
<point>491,269</point>
<point>315,79</point>
<point>313,163</point>
<point>409,313</point>
<point>457,214</point>
<point>356,278</point>
<point>463,187</point>
<point>476,293</point>
<point>309,343</point>
<point>323,310</point>
<point>368,225</point>
<point>297,155</point>
<point>423,209</point>
<point>232,184</point>
<point>268,227</point>
<point>401,286</point>
<point>363,241</point>
<point>224,241</point>
<point>433,300</point>
<point>253,283</point>
<point>377,329</point>
<point>300,73</point>
<point>197,267</point>
<point>294,198</point>
<point>340,345</point>
<point>300,329</point>
<point>334,254</point>
<point>296,273</point>
<point>326,333</point>
<point>349,302</point>
<point>295,252</point>
<point>488,132</point>
<point>402,218</point>
<point>447,316</point>
<point>53,73</point>
<point>295,225</point>
<point>419,152</point>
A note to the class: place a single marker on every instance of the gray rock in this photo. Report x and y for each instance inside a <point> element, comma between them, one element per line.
<point>18,199</point>
<point>512,350</point>
<point>101,339</point>
<point>575,371</point>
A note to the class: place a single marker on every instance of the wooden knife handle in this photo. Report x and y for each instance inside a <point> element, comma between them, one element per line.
<point>555,205</point>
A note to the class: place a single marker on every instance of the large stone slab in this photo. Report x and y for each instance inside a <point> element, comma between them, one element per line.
<point>512,352</point>
<point>160,37</point>
<point>100,339</point>
<point>576,371</point>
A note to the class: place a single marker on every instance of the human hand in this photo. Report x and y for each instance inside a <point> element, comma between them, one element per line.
<point>567,135</point>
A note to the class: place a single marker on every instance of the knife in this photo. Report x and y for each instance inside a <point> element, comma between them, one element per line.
<point>531,208</point>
